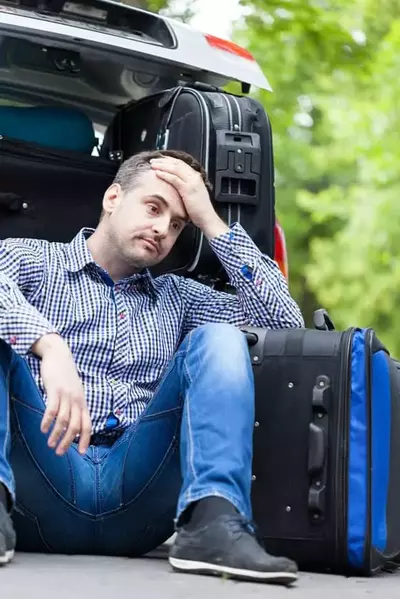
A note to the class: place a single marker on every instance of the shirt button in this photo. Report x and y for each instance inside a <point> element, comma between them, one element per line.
<point>247,272</point>
<point>13,340</point>
<point>122,315</point>
<point>118,412</point>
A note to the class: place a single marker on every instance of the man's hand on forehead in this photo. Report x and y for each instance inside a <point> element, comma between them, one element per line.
<point>190,186</point>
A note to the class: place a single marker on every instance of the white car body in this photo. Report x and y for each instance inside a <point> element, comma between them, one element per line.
<point>117,65</point>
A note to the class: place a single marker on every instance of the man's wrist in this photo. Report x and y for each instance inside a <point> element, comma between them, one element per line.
<point>48,342</point>
<point>213,226</point>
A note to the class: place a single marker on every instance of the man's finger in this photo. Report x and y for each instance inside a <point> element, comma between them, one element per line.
<point>166,160</point>
<point>53,404</point>
<point>86,431</point>
<point>175,167</point>
<point>62,421</point>
<point>73,430</point>
<point>173,180</point>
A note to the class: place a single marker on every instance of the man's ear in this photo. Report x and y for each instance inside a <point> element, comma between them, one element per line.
<point>112,198</point>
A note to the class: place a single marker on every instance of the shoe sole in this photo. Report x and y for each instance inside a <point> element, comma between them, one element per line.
<point>6,557</point>
<point>181,565</point>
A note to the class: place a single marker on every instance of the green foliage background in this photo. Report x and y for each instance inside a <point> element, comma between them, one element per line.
<point>334,66</point>
<point>335,111</point>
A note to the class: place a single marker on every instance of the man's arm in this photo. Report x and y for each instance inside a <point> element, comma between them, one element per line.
<point>262,298</point>
<point>25,329</point>
<point>21,275</point>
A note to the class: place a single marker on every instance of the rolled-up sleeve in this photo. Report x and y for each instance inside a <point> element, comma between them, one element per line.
<point>21,275</point>
<point>262,296</point>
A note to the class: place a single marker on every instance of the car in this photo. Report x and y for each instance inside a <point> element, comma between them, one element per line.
<point>95,56</point>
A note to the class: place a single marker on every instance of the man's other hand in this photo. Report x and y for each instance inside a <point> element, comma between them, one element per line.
<point>66,402</point>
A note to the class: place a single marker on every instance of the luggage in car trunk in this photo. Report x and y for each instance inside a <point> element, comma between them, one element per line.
<point>326,471</point>
<point>231,137</point>
<point>49,194</point>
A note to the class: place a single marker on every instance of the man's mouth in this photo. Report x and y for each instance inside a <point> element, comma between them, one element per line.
<point>150,243</point>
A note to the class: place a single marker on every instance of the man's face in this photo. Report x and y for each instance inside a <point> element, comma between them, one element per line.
<point>144,224</point>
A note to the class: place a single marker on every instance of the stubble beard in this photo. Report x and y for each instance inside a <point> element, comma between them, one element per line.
<point>135,260</point>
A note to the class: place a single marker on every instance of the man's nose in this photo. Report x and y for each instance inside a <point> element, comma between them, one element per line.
<point>161,227</point>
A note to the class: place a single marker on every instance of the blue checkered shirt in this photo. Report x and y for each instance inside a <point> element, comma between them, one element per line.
<point>123,335</point>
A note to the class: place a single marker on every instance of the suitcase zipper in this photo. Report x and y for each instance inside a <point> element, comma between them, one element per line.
<point>368,353</point>
<point>230,124</point>
<point>341,475</point>
<point>239,114</point>
<point>238,127</point>
<point>38,154</point>
<point>206,158</point>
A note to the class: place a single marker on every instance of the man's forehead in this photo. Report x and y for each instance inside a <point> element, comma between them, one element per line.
<point>149,181</point>
<point>178,211</point>
<point>152,186</point>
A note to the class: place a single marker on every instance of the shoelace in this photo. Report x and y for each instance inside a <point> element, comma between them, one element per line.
<point>239,525</point>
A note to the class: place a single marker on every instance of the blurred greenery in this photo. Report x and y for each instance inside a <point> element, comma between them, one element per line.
<point>184,11</point>
<point>335,111</point>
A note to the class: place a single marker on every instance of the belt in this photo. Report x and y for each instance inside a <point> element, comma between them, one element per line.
<point>105,439</point>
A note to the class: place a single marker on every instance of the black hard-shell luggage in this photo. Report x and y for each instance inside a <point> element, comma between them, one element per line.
<point>231,137</point>
<point>326,471</point>
<point>49,194</point>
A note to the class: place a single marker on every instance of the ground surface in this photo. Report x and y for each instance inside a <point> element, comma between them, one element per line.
<point>33,576</point>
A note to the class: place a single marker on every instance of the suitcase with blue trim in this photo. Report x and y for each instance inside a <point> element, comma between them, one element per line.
<point>326,469</point>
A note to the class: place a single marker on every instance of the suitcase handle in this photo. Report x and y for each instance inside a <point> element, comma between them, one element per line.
<point>251,338</point>
<point>255,337</point>
<point>322,321</point>
<point>317,448</point>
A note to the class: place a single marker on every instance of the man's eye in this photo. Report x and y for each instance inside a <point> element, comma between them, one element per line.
<point>176,226</point>
<point>153,208</point>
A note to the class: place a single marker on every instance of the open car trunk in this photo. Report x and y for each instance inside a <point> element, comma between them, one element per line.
<point>91,58</point>
<point>49,194</point>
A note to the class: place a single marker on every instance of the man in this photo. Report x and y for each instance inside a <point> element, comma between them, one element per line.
<point>126,400</point>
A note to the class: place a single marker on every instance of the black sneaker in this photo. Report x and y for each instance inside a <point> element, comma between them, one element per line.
<point>227,546</point>
<point>7,536</point>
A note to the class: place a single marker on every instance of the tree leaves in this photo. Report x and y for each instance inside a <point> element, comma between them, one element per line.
<point>183,12</point>
<point>335,115</point>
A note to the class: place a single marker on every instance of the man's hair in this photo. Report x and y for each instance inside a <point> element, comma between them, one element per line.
<point>130,171</point>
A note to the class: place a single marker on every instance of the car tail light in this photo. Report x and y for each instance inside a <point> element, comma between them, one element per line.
<point>227,46</point>
<point>281,251</point>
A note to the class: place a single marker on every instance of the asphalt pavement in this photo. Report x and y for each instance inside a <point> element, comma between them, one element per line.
<point>36,576</point>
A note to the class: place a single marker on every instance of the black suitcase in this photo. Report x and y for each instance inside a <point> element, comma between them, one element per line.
<point>48,194</point>
<point>231,137</point>
<point>326,466</point>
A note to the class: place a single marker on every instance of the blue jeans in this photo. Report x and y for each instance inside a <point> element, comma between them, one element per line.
<point>194,440</point>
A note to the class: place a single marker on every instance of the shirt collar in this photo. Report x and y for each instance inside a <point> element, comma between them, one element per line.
<point>78,256</point>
